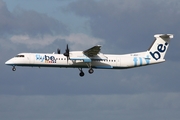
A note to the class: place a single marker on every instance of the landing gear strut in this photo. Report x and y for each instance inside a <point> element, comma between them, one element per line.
<point>90,70</point>
<point>14,68</point>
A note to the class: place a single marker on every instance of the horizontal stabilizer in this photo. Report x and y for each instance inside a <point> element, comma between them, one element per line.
<point>163,35</point>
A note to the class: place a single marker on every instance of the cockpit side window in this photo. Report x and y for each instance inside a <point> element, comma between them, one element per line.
<point>20,56</point>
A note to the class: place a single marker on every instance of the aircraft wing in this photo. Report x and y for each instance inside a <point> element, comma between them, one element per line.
<point>92,51</point>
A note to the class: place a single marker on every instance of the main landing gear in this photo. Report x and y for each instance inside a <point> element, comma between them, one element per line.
<point>91,71</point>
<point>82,73</point>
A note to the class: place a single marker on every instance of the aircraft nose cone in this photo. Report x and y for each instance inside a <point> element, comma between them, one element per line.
<point>9,62</point>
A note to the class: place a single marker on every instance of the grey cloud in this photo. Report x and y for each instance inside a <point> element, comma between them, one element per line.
<point>129,23</point>
<point>35,23</point>
<point>6,19</point>
<point>47,93</point>
<point>143,93</point>
<point>51,81</point>
<point>28,22</point>
<point>67,81</point>
<point>150,93</point>
<point>104,107</point>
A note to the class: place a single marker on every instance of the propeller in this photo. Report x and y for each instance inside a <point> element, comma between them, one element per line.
<point>67,52</point>
<point>58,51</point>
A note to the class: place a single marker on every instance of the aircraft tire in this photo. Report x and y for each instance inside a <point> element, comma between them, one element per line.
<point>13,69</point>
<point>91,71</point>
<point>81,74</point>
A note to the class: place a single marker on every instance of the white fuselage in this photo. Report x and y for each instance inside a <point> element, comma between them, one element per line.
<point>59,60</point>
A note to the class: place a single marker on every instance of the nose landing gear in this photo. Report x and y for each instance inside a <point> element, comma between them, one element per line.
<point>14,68</point>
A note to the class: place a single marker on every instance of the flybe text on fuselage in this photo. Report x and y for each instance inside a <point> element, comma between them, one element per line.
<point>45,58</point>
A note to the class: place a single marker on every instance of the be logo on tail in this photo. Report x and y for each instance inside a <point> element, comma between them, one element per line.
<point>160,49</point>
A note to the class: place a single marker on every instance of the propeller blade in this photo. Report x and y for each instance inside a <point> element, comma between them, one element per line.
<point>67,49</point>
<point>58,51</point>
<point>67,52</point>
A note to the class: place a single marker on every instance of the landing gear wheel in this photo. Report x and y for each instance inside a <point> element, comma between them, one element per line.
<point>14,69</point>
<point>91,71</point>
<point>81,74</point>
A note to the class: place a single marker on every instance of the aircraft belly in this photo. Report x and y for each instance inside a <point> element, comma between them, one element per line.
<point>92,64</point>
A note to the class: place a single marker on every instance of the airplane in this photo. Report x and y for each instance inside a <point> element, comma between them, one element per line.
<point>93,59</point>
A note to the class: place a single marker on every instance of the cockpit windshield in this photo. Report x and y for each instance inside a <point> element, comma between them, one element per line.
<point>19,55</point>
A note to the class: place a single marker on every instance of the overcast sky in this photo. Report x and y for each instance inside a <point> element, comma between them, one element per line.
<point>120,26</point>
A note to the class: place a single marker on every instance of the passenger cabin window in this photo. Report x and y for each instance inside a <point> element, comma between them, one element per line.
<point>20,56</point>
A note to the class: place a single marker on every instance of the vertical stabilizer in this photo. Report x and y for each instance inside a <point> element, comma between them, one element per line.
<point>159,47</point>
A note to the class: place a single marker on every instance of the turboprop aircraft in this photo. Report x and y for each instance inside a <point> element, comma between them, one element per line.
<point>93,59</point>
